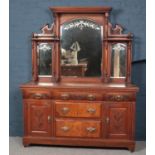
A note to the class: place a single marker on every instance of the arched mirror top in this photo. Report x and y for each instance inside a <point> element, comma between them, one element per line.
<point>81,48</point>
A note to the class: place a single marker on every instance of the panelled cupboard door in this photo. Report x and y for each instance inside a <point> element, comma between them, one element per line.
<point>38,115</point>
<point>119,120</point>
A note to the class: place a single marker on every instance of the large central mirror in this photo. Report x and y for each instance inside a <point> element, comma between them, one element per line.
<point>81,48</point>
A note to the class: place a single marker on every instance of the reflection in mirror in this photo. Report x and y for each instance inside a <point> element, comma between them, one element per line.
<point>44,58</point>
<point>81,48</point>
<point>118,60</point>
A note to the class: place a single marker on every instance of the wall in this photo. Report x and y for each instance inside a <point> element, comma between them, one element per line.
<point>27,16</point>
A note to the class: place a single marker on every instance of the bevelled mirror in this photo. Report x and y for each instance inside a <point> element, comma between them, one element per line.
<point>118,60</point>
<point>81,48</point>
<point>44,59</point>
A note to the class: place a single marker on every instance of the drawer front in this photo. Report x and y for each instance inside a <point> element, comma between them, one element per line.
<point>72,128</point>
<point>70,109</point>
<point>90,96</point>
<point>119,97</point>
<point>35,94</point>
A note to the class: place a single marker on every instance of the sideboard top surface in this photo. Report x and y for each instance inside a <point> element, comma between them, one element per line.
<point>128,87</point>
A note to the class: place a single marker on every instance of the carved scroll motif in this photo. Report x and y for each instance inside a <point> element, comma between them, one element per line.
<point>118,29</point>
<point>47,30</point>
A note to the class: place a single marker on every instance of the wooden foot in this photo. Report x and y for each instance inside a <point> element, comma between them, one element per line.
<point>131,148</point>
<point>26,145</point>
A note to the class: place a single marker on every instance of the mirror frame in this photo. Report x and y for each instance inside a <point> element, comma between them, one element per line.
<point>37,39</point>
<point>111,34</point>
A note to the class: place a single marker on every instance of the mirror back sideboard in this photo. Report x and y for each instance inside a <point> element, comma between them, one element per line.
<point>81,92</point>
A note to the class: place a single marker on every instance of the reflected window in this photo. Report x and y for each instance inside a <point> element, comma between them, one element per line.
<point>81,48</point>
<point>44,58</point>
<point>118,60</point>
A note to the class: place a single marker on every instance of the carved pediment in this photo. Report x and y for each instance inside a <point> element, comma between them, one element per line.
<point>47,31</point>
<point>117,30</point>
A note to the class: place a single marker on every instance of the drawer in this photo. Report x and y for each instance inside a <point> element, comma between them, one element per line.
<point>119,97</point>
<point>90,96</point>
<point>72,128</point>
<point>36,94</point>
<point>76,109</point>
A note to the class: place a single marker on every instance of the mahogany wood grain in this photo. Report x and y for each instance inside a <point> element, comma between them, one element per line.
<point>38,119</point>
<point>74,128</point>
<point>77,109</point>
<point>81,111</point>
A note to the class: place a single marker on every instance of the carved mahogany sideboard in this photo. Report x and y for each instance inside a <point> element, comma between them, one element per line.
<point>66,106</point>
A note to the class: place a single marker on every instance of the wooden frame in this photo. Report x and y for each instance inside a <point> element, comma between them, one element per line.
<point>45,36</point>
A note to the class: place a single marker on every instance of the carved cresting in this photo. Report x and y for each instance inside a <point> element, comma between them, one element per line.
<point>118,29</point>
<point>48,30</point>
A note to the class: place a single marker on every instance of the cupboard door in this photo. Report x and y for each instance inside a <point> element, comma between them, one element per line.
<point>118,120</point>
<point>39,118</point>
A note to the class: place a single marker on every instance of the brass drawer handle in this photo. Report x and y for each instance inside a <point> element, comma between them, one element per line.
<point>65,96</point>
<point>65,128</point>
<point>118,97</point>
<point>38,96</point>
<point>65,110</point>
<point>91,129</point>
<point>91,97</point>
<point>91,110</point>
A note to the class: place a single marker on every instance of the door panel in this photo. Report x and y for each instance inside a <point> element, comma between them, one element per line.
<point>118,120</point>
<point>39,118</point>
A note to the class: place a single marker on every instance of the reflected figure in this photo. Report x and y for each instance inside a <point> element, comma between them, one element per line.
<point>76,48</point>
<point>81,48</point>
<point>70,56</point>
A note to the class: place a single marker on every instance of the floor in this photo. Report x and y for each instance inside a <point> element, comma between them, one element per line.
<point>16,148</point>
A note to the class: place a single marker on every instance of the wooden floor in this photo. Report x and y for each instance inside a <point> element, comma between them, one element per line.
<point>16,148</point>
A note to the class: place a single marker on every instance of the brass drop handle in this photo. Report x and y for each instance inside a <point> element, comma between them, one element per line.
<point>91,97</point>
<point>65,110</point>
<point>91,110</point>
<point>65,96</point>
<point>37,96</point>
<point>119,97</point>
<point>49,119</point>
<point>107,120</point>
<point>65,128</point>
<point>91,129</point>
